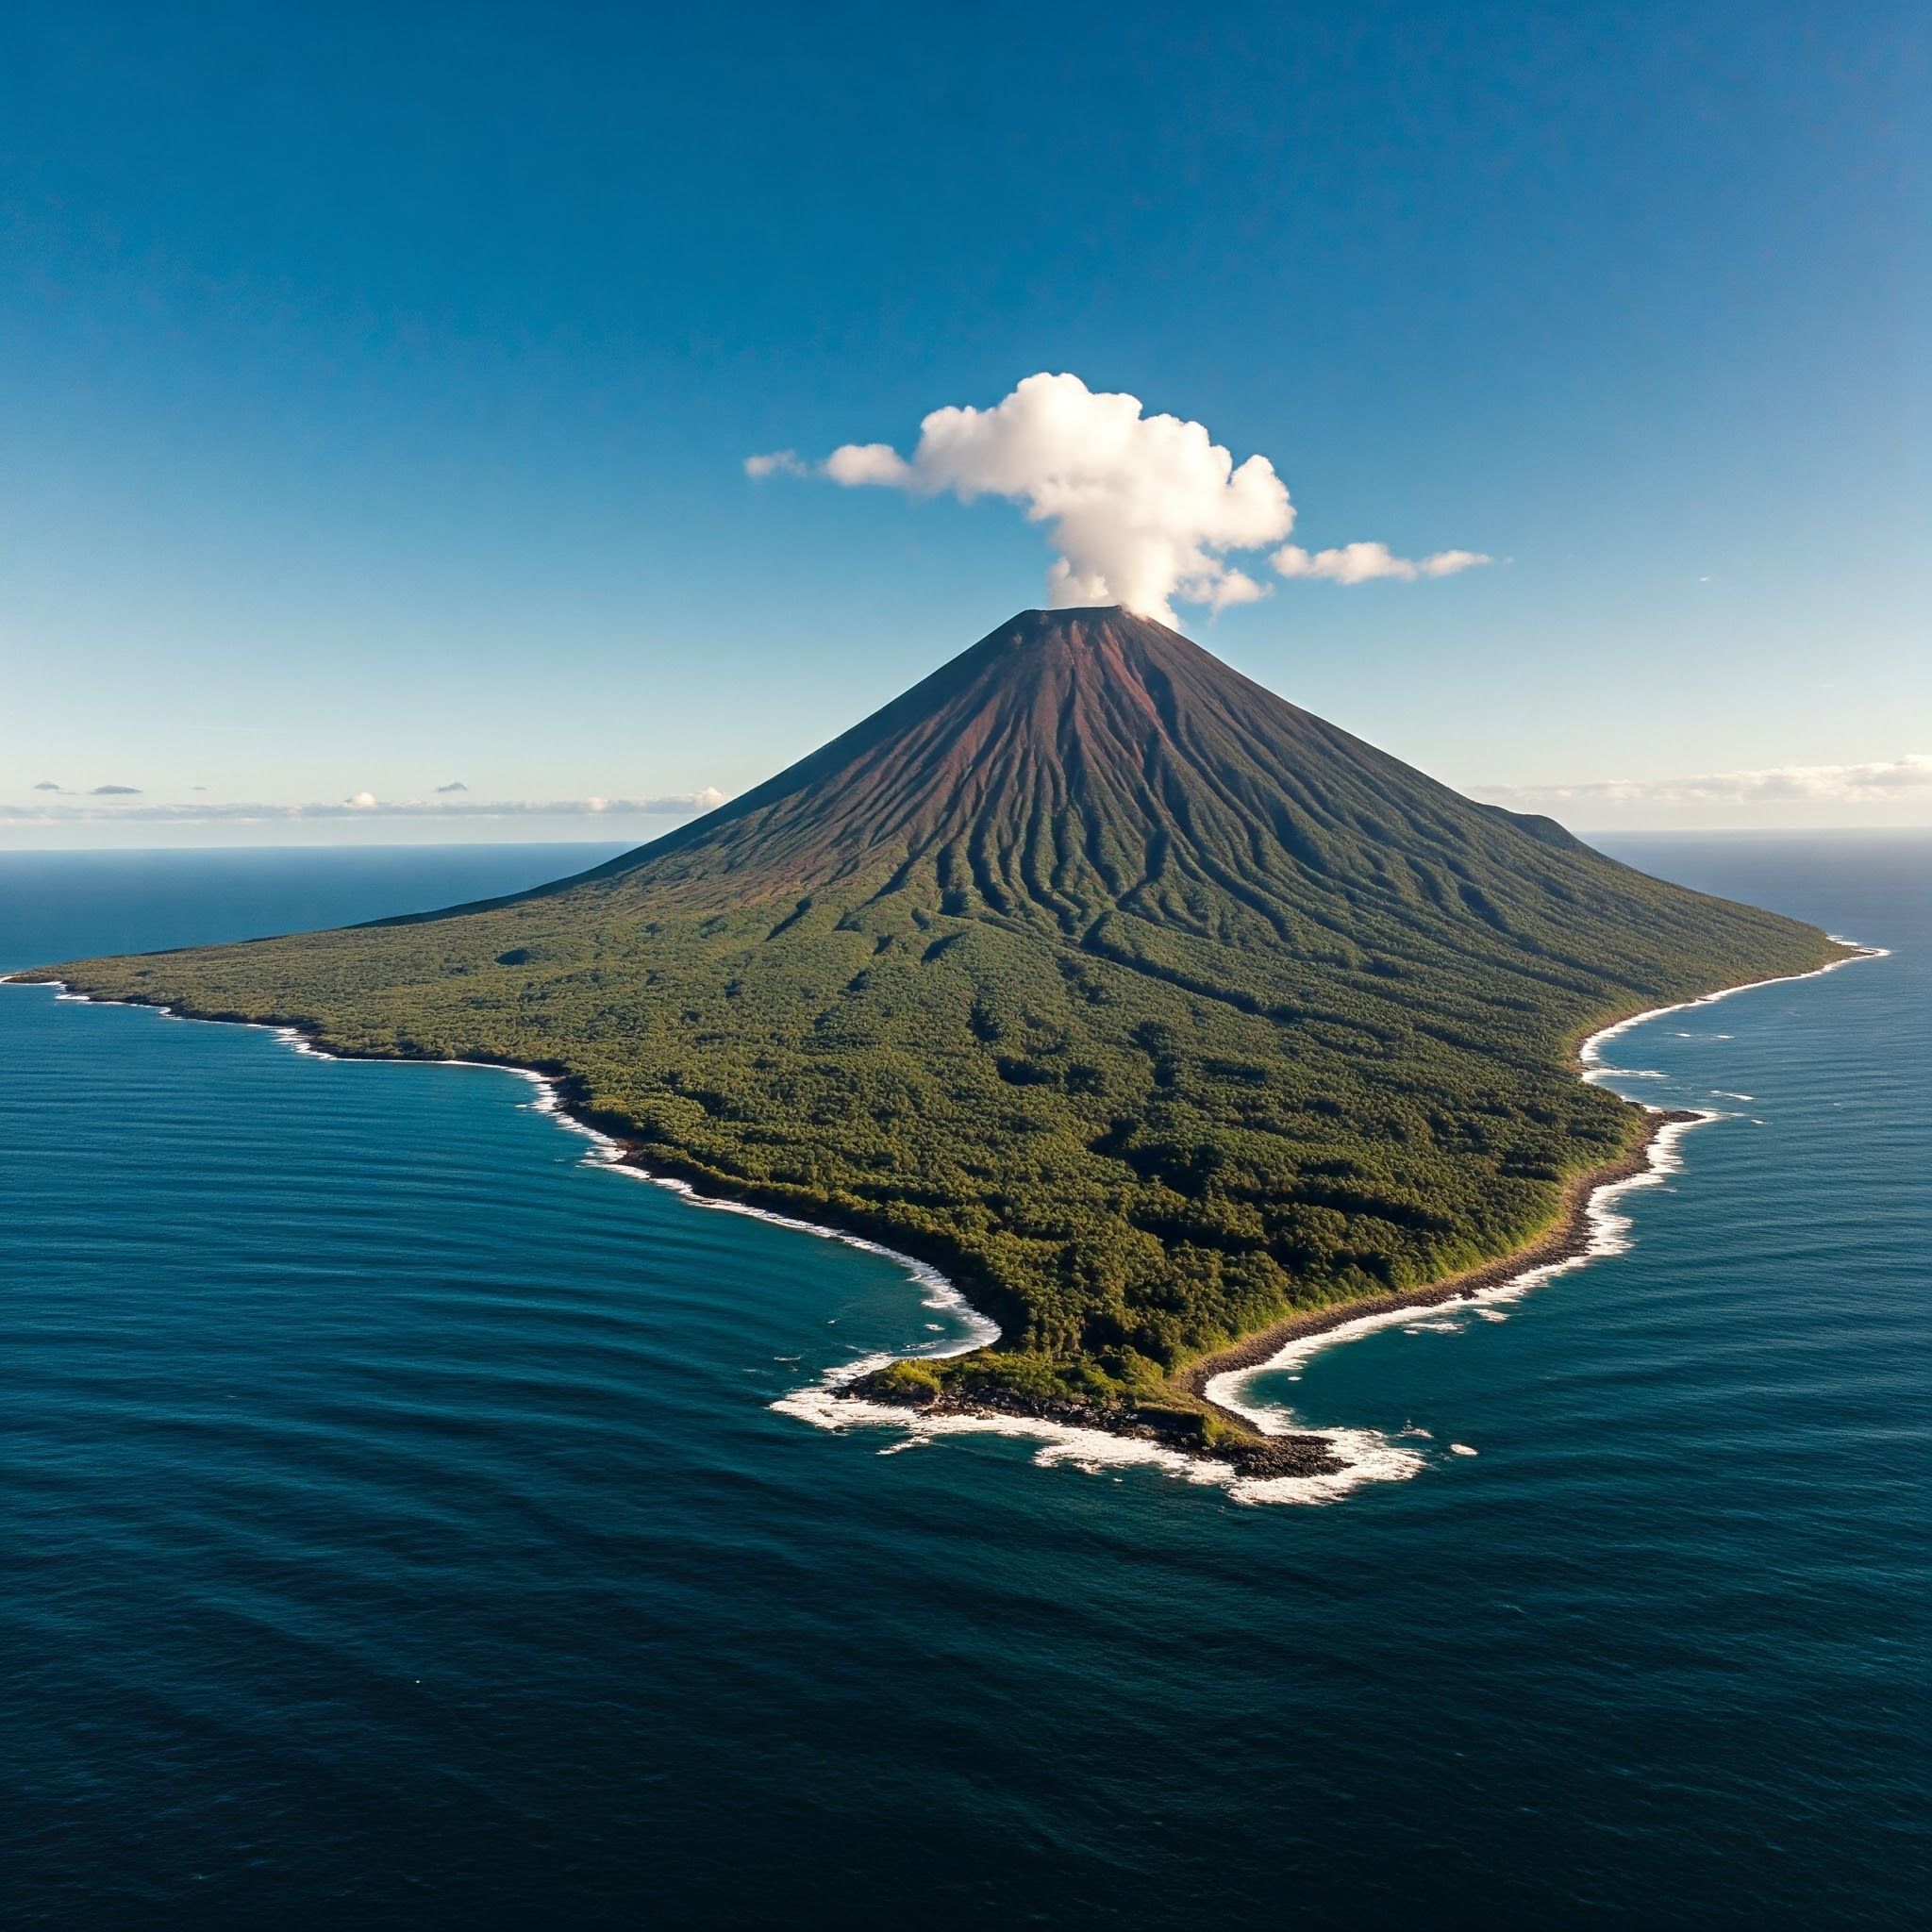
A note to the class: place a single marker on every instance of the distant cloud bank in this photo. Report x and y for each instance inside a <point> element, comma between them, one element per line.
<point>1144,509</point>
<point>1892,779</point>
<point>365,804</point>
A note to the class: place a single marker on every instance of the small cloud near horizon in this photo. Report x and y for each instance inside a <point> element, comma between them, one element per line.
<point>453,785</point>
<point>1884,779</point>
<point>115,791</point>
<point>46,785</point>
<point>1144,509</point>
<point>366,805</point>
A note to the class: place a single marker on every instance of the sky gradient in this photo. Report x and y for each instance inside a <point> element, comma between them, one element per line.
<point>377,386</point>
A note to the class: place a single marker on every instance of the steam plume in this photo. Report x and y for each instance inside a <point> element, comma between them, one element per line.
<point>1144,509</point>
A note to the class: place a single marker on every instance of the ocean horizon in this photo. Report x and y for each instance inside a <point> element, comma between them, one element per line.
<point>414,1518</point>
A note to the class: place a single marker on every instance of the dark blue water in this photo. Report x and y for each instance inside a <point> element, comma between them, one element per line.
<point>396,1530</point>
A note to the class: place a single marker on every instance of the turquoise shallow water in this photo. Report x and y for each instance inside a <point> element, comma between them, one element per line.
<point>398,1530</point>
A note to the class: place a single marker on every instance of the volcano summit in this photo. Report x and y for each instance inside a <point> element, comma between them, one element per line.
<point>1153,1009</point>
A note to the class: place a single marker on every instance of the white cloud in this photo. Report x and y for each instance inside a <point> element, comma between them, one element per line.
<point>857,463</point>
<point>1144,509</point>
<point>777,462</point>
<point>1235,586</point>
<point>366,805</point>
<point>1362,563</point>
<point>1446,563</point>
<point>1887,779</point>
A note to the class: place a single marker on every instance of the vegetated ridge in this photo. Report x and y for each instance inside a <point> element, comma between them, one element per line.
<point>1152,1007</point>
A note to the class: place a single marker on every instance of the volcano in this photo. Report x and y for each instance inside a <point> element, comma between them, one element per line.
<point>1154,1009</point>
<point>1076,763</point>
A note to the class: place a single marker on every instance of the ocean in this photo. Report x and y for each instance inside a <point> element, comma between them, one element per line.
<point>398,1527</point>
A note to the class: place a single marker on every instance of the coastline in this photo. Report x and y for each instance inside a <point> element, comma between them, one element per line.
<point>1274,1459</point>
<point>1584,1230</point>
<point>1568,1240</point>
<point>612,1150</point>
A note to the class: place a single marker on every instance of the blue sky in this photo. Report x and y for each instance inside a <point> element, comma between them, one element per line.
<point>375,386</point>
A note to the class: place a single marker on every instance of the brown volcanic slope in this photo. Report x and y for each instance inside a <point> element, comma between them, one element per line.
<point>1150,1005</point>
<point>1078,762</point>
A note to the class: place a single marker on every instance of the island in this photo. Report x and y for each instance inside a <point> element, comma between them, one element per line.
<point>1161,1015</point>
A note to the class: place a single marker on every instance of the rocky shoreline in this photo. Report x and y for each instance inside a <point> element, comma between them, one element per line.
<point>1251,1455</point>
<point>1566,1239</point>
<point>1236,1442</point>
